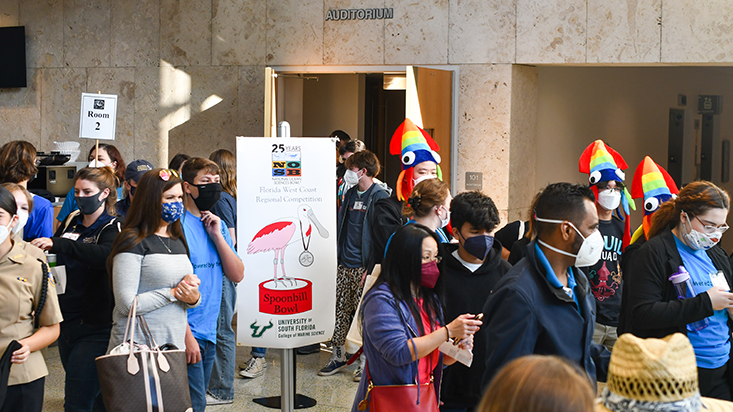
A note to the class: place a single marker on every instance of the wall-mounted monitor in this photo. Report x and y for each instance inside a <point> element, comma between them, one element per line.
<point>12,55</point>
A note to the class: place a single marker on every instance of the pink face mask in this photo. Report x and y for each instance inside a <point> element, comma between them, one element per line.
<point>430,274</point>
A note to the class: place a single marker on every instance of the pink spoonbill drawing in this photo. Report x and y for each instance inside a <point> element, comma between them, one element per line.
<point>279,234</point>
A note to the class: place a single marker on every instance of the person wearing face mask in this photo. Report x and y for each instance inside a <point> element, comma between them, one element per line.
<point>108,156</point>
<point>134,171</point>
<point>429,205</point>
<point>419,157</point>
<point>149,260</point>
<point>606,177</point>
<point>18,165</point>
<point>470,269</point>
<point>686,231</point>
<point>403,322</point>
<point>544,304</point>
<point>30,318</point>
<point>24,200</point>
<point>345,151</point>
<point>82,245</point>
<point>354,243</point>
<point>213,257</point>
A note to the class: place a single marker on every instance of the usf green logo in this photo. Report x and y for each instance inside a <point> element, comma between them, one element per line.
<point>257,331</point>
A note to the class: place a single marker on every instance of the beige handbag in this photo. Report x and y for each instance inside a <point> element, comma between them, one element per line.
<point>353,338</point>
<point>142,377</point>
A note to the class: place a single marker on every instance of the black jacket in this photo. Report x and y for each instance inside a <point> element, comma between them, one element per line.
<point>385,220</point>
<point>627,268</point>
<point>86,266</point>
<point>526,315</point>
<point>466,292</point>
<point>653,310</point>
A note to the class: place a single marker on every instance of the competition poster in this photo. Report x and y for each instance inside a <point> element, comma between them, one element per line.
<point>286,237</point>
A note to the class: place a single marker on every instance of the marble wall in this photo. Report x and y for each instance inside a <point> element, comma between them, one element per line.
<point>190,73</point>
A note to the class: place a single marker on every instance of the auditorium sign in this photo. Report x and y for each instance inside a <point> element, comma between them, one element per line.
<point>360,14</point>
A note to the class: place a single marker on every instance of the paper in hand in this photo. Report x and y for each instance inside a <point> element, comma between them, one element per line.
<point>464,356</point>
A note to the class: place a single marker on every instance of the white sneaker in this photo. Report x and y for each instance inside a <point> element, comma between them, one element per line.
<point>213,400</point>
<point>255,367</point>
<point>358,372</point>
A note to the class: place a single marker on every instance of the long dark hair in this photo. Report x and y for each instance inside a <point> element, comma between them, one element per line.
<point>115,156</point>
<point>143,218</point>
<point>7,202</point>
<point>695,198</point>
<point>402,268</point>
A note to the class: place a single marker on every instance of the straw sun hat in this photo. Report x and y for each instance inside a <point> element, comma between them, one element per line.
<point>655,375</point>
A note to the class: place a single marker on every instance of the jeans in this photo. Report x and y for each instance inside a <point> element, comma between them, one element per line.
<point>199,374</point>
<point>258,352</point>
<point>79,345</point>
<point>221,385</point>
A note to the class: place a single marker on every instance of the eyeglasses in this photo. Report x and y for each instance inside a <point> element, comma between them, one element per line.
<point>709,228</point>
<point>427,259</point>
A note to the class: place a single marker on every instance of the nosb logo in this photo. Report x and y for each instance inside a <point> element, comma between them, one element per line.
<point>286,169</point>
<point>286,161</point>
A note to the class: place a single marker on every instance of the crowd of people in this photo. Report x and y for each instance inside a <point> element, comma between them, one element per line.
<point>434,296</point>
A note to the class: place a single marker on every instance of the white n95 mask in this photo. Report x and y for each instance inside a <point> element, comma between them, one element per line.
<point>590,250</point>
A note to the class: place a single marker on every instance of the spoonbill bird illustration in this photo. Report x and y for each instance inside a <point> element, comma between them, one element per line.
<point>277,236</point>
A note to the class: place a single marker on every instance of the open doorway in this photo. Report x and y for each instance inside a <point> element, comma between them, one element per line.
<point>369,106</point>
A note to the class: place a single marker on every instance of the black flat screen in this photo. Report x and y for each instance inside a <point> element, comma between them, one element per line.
<point>12,56</point>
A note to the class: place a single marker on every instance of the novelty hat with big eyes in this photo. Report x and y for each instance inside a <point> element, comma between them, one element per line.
<point>604,164</point>
<point>652,183</point>
<point>415,146</point>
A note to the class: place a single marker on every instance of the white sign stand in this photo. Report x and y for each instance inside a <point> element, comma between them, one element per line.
<point>288,185</point>
<point>98,116</point>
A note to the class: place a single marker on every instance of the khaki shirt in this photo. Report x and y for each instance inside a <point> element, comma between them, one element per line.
<point>20,291</point>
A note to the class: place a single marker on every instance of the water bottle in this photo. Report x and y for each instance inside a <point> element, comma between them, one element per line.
<point>685,290</point>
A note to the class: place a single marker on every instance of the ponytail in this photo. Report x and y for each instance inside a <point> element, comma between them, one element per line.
<point>696,198</point>
<point>425,196</point>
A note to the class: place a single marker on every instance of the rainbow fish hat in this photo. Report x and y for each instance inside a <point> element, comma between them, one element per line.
<point>415,146</point>
<point>602,164</point>
<point>652,183</point>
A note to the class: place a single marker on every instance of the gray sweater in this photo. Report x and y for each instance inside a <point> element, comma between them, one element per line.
<point>149,271</point>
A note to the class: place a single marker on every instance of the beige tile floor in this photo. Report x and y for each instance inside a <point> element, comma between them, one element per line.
<point>333,393</point>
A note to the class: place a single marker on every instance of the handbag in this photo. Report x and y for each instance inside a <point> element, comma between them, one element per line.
<point>143,378</point>
<point>419,397</point>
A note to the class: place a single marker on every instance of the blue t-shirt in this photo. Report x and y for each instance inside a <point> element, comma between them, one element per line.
<point>70,204</point>
<point>711,344</point>
<point>207,266</point>
<point>355,214</point>
<point>40,220</point>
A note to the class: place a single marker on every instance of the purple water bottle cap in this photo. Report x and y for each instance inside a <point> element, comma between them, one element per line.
<point>680,276</point>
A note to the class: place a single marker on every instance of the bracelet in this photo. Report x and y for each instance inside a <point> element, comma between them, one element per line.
<point>447,334</point>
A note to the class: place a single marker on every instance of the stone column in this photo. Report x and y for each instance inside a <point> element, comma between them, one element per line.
<point>496,133</point>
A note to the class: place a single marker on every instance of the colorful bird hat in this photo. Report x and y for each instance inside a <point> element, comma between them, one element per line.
<point>652,183</point>
<point>602,164</point>
<point>415,146</point>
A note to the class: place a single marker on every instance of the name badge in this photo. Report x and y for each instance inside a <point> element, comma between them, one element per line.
<point>70,235</point>
<point>719,281</point>
<point>358,205</point>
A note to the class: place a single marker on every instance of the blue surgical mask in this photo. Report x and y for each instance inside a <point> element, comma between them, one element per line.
<point>478,246</point>
<point>172,211</point>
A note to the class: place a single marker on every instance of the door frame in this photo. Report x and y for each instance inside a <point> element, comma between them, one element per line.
<point>397,68</point>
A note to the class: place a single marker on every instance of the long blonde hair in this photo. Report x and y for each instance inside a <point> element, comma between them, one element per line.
<point>538,384</point>
<point>227,170</point>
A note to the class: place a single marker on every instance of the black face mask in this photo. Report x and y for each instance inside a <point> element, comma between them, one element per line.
<point>209,194</point>
<point>132,190</point>
<point>89,204</point>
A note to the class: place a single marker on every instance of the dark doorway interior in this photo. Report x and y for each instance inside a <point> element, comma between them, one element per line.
<point>384,111</point>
